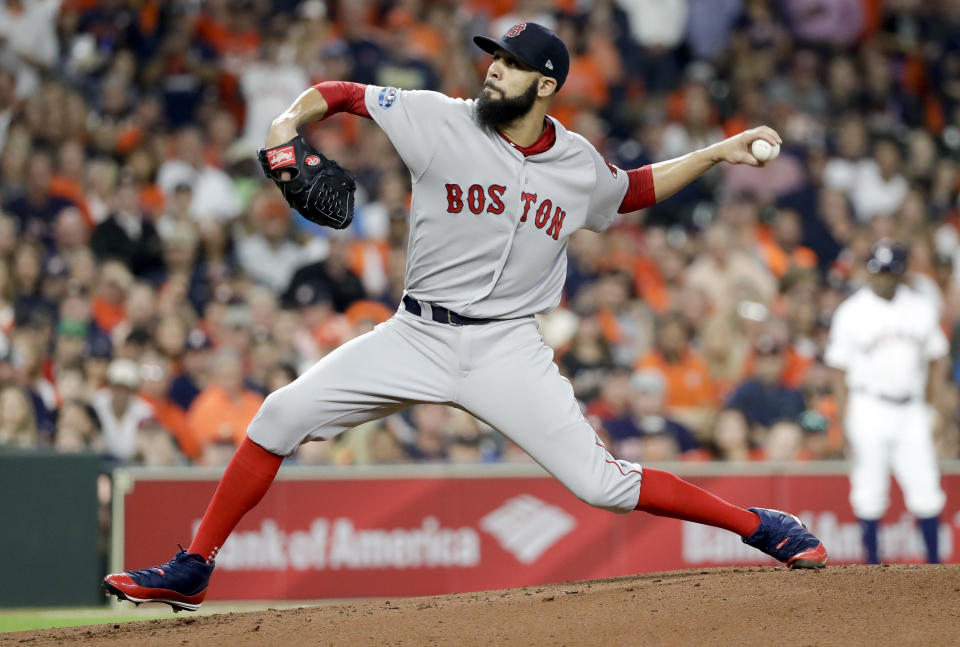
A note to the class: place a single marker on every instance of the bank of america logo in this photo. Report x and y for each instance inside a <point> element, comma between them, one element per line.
<point>526,527</point>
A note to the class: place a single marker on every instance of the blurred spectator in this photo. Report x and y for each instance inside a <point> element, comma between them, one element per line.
<point>385,448</point>
<point>728,274</point>
<point>331,276</point>
<point>18,427</point>
<point>588,361</point>
<point>731,438</point>
<point>762,400</point>
<point>109,301</point>
<point>430,440</point>
<point>690,395</point>
<point>782,250</point>
<point>156,446</point>
<point>120,410</point>
<point>269,255</point>
<point>880,188</point>
<point>71,231</point>
<point>28,40</point>
<point>214,196</point>
<point>224,408</point>
<point>126,235</point>
<point>194,369</point>
<point>614,395</point>
<point>29,346</point>
<point>34,206</point>
<point>71,341</point>
<point>467,441</point>
<point>658,27</point>
<point>172,420</point>
<point>77,429</point>
<point>7,98</point>
<point>816,440</point>
<point>180,67</point>
<point>646,427</point>
<point>696,128</point>
<point>725,352</point>
<point>269,84</point>
<point>834,22</point>
<point>710,26</point>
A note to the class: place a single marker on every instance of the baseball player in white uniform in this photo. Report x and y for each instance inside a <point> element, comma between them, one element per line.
<point>890,358</point>
<point>498,188</point>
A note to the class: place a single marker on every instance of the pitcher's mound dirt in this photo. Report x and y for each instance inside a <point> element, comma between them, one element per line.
<point>840,605</point>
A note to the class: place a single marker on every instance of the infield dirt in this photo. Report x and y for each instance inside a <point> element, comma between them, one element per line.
<point>840,605</point>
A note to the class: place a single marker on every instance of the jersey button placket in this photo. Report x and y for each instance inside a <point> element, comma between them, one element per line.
<point>523,189</point>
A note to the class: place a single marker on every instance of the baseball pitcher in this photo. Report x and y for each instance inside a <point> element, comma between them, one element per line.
<point>498,188</point>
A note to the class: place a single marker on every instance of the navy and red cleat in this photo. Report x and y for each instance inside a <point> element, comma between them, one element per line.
<point>181,582</point>
<point>784,537</point>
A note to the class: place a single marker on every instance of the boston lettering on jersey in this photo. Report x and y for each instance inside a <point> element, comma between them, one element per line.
<point>475,198</point>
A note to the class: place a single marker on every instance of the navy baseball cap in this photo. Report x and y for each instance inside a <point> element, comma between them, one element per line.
<point>887,256</point>
<point>532,45</point>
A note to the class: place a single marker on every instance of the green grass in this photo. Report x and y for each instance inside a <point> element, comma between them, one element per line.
<point>47,618</point>
<point>27,619</point>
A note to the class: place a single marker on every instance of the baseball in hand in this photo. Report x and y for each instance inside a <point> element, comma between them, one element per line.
<point>763,151</point>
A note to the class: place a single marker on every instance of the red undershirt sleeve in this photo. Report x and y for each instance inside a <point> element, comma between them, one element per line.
<point>343,96</point>
<point>640,193</point>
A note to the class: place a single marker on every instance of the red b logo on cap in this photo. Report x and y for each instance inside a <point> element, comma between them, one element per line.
<point>516,29</point>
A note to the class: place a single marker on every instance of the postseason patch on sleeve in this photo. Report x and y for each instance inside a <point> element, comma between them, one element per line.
<point>387,97</point>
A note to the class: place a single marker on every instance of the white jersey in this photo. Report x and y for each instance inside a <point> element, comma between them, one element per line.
<point>488,226</point>
<point>886,346</point>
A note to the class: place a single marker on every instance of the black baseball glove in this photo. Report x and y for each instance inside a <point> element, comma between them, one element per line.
<point>319,188</point>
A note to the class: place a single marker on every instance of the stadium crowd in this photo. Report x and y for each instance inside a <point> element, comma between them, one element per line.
<point>154,287</point>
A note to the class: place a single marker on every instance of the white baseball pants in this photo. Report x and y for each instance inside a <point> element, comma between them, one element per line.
<point>501,372</point>
<point>885,436</point>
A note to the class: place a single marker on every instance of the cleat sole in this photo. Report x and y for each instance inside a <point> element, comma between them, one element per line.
<point>815,557</point>
<point>177,607</point>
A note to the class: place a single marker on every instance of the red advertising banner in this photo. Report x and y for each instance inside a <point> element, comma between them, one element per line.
<point>356,537</point>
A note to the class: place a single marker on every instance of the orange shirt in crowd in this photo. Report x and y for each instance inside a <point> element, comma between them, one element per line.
<point>366,310</point>
<point>214,416</point>
<point>225,40</point>
<point>688,380</point>
<point>152,198</point>
<point>795,367</point>
<point>497,8</point>
<point>71,190</point>
<point>362,252</point>
<point>650,286</point>
<point>584,88</point>
<point>174,419</point>
<point>609,326</point>
<point>106,314</point>
<point>777,259</point>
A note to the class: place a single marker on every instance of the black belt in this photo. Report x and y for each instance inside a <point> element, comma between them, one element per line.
<point>442,315</point>
<point>889,399</point>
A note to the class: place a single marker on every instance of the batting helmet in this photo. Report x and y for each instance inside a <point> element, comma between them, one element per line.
<point>887,255</point>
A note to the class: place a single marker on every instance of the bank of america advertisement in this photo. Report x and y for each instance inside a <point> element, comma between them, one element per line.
<point>355,537</point>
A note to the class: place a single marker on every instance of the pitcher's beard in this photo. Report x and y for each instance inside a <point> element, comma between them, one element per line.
<point>494,113</point>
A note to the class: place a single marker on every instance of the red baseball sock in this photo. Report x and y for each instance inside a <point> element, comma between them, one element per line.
<point>248,477</point>
<point>666,495</point>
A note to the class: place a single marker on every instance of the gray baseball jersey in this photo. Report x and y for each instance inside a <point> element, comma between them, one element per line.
<point>488,238</point>
<point>488,226</point>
